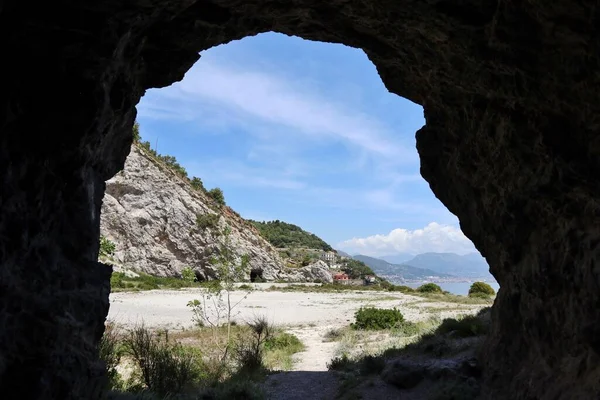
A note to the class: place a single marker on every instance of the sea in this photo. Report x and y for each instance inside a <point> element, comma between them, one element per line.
<point>461,288</point>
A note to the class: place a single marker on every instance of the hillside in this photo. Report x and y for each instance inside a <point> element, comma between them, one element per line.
<point>403,271</point>
<point>160,222</point>
<point>470,265</point>
<point>283,235</point>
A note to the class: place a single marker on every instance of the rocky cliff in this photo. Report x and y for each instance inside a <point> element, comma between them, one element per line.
<point>151,214</point>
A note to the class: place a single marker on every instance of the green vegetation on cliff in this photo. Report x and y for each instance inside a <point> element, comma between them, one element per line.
<point>281,234</point>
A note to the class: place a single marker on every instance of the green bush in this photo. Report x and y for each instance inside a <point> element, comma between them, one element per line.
<point>371,318</point>
<point>116,280</point>
<point>171,161</point>
<point>148,286</point>
<point>284,341</point>
<point>429,288</point>
<point>217,195</point>
<point>340,363</point>
<point>470,325</point>
<point>207,221</point>
<point>197,183</point>
<point>188,274</point>
<point>481,288</point>
<point>390,287</point>
<point>107,248</point>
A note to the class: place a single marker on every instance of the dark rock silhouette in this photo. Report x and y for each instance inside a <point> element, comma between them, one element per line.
<point>511,96</point>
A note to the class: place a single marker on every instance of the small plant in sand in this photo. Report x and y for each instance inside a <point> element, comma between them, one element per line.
<point>215,307</point>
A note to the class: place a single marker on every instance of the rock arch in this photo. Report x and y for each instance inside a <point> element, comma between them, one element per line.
<point>510,92</point>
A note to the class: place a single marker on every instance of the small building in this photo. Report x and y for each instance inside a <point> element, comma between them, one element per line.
<point>370,279</point>
<point>342,278</point>
<point>328,256</point>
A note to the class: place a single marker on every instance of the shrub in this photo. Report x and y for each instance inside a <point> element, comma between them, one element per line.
<point>172,162</point>
<point>217,195</point>
<point>250,353</point>
<point>333,334</point>
<point>371,318</point>
<point>470,325</point>
<point>136,132</point>
<point>110,353</point>
<point>197,183</point>
<point>340,363</point>
<point>116,280</point>
<point>188,274</point>
<point>165,368</point>
<point>408,328</point>
<point>481,288</point>
<point>284,341</point>
<point>372,365</point>
<point>429,288</point>
<point>107,248</point>
<point>207,221</point>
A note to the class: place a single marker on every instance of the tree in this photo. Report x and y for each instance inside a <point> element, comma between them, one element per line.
<point>357,269</point>
<point>217,195</point>
<point>136,132</point>
<point>215,305</point>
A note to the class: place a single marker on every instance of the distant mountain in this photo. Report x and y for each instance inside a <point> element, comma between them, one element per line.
<point>343,253</point>
<point>471,265</point>
<point>405,272</point>
<point>398,258</point>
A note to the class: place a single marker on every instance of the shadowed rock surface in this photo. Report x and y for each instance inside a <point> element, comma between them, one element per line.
<point>511,96</point>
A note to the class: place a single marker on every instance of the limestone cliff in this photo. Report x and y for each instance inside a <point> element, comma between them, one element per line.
<point>150,213</point>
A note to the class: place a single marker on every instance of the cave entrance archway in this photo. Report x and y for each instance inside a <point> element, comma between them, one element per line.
<point>511,99</point>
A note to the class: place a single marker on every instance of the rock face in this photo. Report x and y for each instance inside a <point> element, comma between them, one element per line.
<point>150,212</point>
<point>511,97</point>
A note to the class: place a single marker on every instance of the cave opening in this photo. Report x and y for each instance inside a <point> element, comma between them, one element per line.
<point>510,98</point>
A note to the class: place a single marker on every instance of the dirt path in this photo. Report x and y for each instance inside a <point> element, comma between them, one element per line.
<point>309,378</point>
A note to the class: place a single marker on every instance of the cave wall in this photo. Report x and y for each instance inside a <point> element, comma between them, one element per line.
<point>510,92</point>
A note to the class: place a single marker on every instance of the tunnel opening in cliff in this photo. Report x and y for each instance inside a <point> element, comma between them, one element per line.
<point>510,92</point>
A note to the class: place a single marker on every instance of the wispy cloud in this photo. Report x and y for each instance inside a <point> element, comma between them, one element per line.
<point>226,171</point>
<point>254,98</point>
<point>432,238</point>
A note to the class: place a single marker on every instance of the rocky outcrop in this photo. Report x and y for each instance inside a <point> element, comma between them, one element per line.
<point>511,97</point>
<point>150,213</point>
<point>317,271</point>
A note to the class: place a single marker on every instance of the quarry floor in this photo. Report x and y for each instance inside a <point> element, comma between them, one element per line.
<point>308,315</point>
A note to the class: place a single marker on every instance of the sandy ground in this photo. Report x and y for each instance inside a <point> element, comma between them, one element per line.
<point>308,315</point>
<point>168,309</point>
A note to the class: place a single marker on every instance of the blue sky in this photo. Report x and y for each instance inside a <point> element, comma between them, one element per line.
<point>304,132</point>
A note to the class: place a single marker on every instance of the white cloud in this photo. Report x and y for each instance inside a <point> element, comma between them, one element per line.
<point>432,238</point>
<point>253,99</point>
